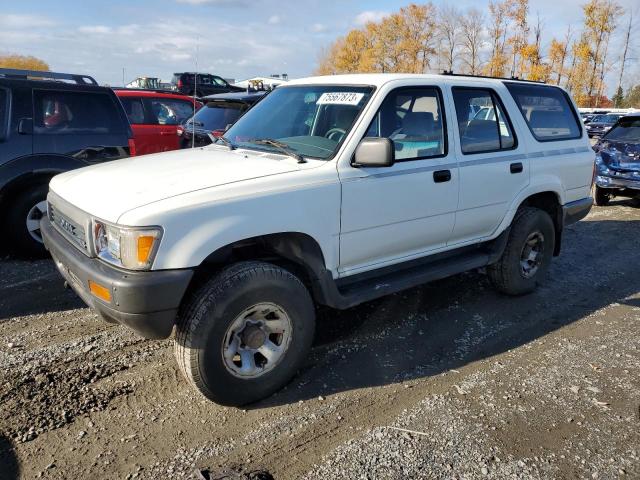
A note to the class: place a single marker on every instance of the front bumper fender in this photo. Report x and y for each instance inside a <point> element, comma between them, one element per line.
<point>147,302</point>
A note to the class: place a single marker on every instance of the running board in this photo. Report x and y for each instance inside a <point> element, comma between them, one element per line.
<point>353,290</point>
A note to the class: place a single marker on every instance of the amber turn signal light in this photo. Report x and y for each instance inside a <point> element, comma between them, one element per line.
<point>99,291</point>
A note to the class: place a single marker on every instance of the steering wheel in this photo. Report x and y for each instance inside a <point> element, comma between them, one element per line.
<point>332,132</point>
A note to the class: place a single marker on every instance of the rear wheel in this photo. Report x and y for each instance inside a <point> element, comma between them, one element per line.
<point>601,196</point>
<point>527,255</point>
<point>245,333</point>
<point>23,221</point>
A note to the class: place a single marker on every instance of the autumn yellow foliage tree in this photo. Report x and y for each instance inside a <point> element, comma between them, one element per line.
<point>23,62</point>
<point>504,42</point>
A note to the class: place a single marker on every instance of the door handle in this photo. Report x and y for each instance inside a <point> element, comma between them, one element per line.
<point>440,176</point>
<point>516,167</point>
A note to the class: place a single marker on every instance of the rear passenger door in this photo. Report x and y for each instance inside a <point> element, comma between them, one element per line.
<point>493,167</point>
<point>166,114</point>
<point>397,213</point>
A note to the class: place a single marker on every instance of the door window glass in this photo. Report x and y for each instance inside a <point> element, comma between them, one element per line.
<point>166,111</point>
<point>4,114</point>
<point>414,120</point>
<point>134,110</point>
<point>482,131</point>
<point>60,112</point>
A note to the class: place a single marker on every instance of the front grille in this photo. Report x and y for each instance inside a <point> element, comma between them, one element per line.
<point>68,228</point>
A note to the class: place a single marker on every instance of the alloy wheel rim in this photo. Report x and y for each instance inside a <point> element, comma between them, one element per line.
<point>257,340</point>
<point>532,254</point>
<point>32,221</point>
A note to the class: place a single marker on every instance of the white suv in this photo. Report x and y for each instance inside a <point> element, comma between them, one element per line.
<point>331,190</point>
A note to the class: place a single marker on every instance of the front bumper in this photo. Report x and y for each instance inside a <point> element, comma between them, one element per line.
<point>573,212</point>
<point>147,302</point>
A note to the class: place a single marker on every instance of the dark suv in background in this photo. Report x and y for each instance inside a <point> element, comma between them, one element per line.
<point>202,84</point>
<point>50,123</point>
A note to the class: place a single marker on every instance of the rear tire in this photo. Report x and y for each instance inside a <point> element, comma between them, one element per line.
<point>246,309</point>
<point>22,221</point>
<point>601,197</point>
<point>527,255</point>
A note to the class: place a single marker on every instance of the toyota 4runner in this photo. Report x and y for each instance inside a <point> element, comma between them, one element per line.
<point>332,191</point>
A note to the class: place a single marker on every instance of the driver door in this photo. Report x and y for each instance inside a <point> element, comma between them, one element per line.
<point>393,214</point>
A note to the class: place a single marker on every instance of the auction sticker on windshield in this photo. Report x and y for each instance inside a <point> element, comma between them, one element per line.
<point>340,98</point>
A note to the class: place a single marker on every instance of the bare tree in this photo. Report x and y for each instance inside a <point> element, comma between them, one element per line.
<point>449,32</point>
<point>625,51</point>
<point>472,39</point>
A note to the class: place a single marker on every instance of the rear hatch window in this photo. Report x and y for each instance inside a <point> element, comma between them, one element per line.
<point>78,113</point>
<point>216,116</point>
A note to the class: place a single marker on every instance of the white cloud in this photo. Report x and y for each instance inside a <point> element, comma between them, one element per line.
<point>369,16</point>
<point>204,2</point>
<point>92,29</point>
<point>274,19</point>
<point>15,21</point>
<point>319,28</point>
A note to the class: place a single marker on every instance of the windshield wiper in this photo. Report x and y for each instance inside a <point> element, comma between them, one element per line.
<point>283,147</point>
<point>226,141</point>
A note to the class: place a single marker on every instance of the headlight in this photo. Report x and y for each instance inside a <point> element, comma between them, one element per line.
<point>128,247</point>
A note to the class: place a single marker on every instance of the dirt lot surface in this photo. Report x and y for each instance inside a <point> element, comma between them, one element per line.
<point>450,380</point>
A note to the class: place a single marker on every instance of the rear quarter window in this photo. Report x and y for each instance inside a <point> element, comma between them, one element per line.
<point>547,111</point>
<point>76,113</point>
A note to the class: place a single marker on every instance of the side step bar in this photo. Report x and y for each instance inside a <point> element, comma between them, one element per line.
<point>362,288</point>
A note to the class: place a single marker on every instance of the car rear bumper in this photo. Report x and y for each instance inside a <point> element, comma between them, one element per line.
<point>573,212</point>
<point>147,302</point>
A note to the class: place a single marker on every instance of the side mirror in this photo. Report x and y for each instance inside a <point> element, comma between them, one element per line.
<point>374,152</point>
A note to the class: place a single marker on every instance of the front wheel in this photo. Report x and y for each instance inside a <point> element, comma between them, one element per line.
<point>527,255</point>
<point>601,196</point>
<point>245,333</point>
<point>23,221</point>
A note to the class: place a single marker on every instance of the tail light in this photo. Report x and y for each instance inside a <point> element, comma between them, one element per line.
<point>217,133</point>
<point>179,83</point>
<point>132,148</point>
<point>179,131</point>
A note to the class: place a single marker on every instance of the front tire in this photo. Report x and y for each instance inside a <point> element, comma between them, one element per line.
<point>245,333</point>
<point>527,255</point>
<point>23,222</point>
<point>601,197</point>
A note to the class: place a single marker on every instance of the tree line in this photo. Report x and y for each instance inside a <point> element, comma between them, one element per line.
<point>503,41</point>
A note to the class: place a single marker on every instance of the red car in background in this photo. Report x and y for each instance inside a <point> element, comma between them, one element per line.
<point>154,116</point>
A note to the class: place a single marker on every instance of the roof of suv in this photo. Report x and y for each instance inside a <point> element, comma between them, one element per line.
<point>379,79</point>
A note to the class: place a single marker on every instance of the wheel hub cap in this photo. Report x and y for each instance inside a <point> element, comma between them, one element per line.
<point>532,254</point>
<point>38,211</point>
<point>256,340</point>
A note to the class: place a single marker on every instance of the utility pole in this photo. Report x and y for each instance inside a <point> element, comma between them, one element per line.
<point>624,54</point>
<point>123,84</point>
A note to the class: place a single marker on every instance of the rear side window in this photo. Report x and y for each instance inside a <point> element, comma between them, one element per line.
<point>482,121</point>
<point>216,116</point>
<point>413,119</point>
<point>167,111</point>
<point>547,110</point>
<point>134,110</point>
<point>77,113</point>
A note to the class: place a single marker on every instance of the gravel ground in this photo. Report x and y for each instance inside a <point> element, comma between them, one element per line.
<point>449,380</point>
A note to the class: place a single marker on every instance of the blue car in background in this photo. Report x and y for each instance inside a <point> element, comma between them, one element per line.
<point>618,161</point>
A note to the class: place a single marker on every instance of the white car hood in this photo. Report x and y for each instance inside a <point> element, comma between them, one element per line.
<point>110,189</point>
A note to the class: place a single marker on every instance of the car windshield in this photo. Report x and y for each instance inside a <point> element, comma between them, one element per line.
<point>217,116</point>
<point>626,131</point>
<point>311,120</point>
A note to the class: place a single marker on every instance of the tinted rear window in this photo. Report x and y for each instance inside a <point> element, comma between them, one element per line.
<point>77,113</point>
<point>216,117</point>
<point>628,130</point>
<point>547,110</point>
